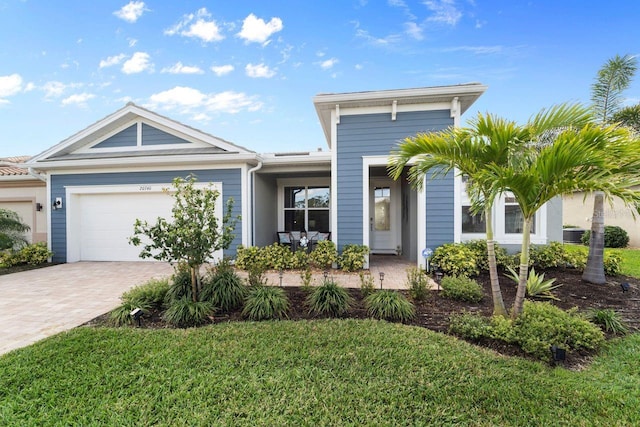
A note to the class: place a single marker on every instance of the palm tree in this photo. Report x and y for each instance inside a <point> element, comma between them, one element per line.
<point>586,158</point>
<point>486,142</point>
<point>606,95</point>
<point>12,230</point>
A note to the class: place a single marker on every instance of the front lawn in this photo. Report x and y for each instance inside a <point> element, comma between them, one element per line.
<point>630,258</point>
<point>328,372</point>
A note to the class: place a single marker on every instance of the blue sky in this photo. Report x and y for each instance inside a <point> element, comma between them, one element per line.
<point>246,71</point>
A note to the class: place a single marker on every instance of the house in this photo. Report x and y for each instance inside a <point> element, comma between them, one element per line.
<point>107,175</point>
<point>578,211</point>
<point>26,194</point>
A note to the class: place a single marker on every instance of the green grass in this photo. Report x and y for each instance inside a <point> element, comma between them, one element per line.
<point>334,372</point>
<point>630,258</point>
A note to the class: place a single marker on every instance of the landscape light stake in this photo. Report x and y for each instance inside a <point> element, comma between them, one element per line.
<point>381,278</point>
<point>136,314</point>
<point>625,287</point>
<point>280,274</point>
<point>325,274</point>
<point>439,275</point>
<point>558,354</point>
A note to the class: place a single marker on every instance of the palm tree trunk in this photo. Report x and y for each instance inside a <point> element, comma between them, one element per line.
<point>518,304</point>
<point>594,270</point>
<point>498,303</point>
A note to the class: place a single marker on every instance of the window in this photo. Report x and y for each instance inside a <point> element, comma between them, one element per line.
<point>382,202</point>
<point>306,208</point>
<point>513,218</point>
<point>470,223</point>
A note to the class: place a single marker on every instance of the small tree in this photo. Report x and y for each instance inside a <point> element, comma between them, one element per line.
<point>12,230</point>
<point>195,232</point>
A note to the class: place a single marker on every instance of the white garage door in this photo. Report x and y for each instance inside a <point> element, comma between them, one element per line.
<point>106,223</point>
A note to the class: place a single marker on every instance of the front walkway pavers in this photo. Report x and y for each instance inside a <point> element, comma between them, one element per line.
<point>39,303</point>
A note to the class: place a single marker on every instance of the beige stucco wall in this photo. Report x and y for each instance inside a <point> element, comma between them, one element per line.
<point>22,197</point>
<point>577,210</point>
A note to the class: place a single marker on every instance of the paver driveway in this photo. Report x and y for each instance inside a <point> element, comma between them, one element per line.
<point>39,303</point>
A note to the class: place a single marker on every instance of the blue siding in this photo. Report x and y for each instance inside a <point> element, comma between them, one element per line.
<point>153,136</point>
<point>440,210</point>
<point>125,138</point>
<point>369,135</point>
<point>231,188</point>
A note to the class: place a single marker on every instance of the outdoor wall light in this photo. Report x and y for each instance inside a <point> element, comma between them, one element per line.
<point>136,314</point>
<point>558,354</point>
<point>57,203</point>
<point>381,278</point>
<point>38,207</point>
<point>625,287</point>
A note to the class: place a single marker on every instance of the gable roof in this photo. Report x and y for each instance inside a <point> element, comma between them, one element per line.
<point>325,103</point>
<point>74,147</point>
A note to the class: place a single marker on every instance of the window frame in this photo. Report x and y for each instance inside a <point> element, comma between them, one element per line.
<point>306,183</point>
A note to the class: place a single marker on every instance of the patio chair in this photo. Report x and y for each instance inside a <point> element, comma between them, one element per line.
<point>284,238</point>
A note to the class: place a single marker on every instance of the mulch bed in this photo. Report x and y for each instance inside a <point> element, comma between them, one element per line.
<point>434,312</point>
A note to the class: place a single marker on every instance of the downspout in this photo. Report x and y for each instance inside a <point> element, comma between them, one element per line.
<point>252,200</point>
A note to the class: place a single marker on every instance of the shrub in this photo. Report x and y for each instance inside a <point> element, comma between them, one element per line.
<point>34,254</point>
<point>330,299</point>
<point>306,277</point>
<point>575,259</point>
<point>612,264</point>
<point>276,257</point>
<point>479,248</point>
<point>324,255</point>
<point>180,284</point>
<point>223,287</point>
<point>609,320</point>
<point>353,257</point>
<point>614,237</point>
<point>461,288</point>
<point>501,328</point>
<point>249,256</point>
<point>265,302</point>
<point>150,294</point>
<point>541,325</point>
<point>418,284</point>
<point>366,284</point>
<point>389,305</point>
<point>455,259</point>
<point>8,259</point>
<point>184,312</point>
<point>153,292</point>
<point>547,256</point>
<point>469,326</point>
<point>536,285</point>
<point>298,260</point>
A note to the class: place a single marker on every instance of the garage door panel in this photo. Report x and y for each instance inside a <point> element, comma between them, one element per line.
<point>106,223</point>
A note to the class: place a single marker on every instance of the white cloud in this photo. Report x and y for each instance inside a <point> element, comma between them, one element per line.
<point>256,30</point>
<point>444,11</point>
<point>414,30</point>
<point>197,25</point>
<point>138,63</point>
<point>112,60</point>
<point>9,86</point>
<point>29,87</point>
<point>259,70</point>
<point>329,63</point>
<point>359,67</point>
<point>476,50</point>
<point>131,11</point>
<point>191,101</point>
<point>222,70</point>
<point>79,99</point>
<point>55,89</point>
<point>178,68</point>
<point>132,42</point>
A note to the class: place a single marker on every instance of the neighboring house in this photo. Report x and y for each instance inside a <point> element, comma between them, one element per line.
<point>107,175</point>
<point>578,211</point>
<point>25,194</point>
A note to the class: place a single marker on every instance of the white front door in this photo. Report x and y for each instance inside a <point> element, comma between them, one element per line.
<point>384,218</point>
